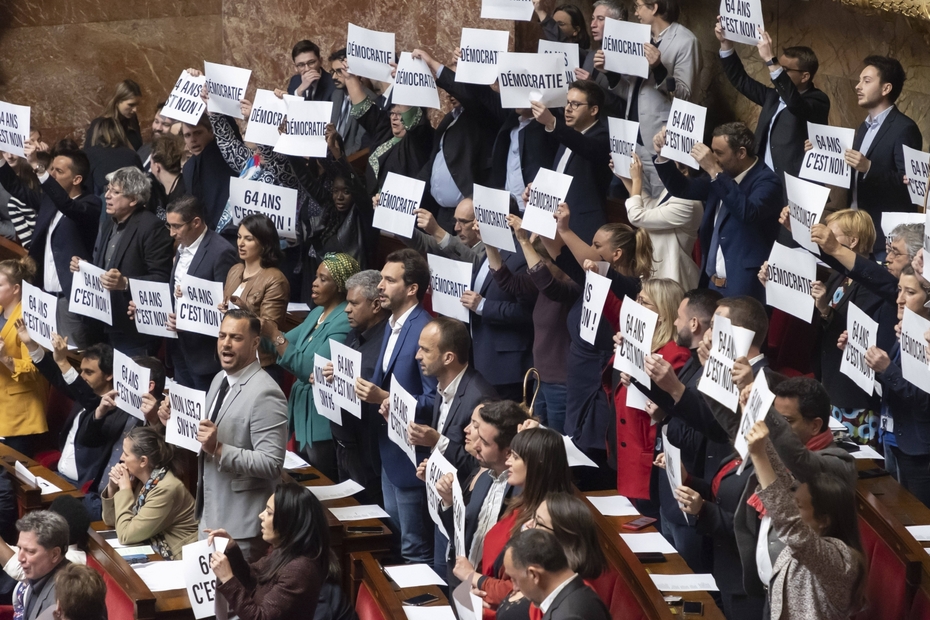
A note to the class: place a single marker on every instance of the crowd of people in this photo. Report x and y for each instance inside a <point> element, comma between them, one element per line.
<point>776,526</point>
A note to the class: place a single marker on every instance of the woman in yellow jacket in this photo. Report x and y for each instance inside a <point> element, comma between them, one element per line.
<point>23,391</point>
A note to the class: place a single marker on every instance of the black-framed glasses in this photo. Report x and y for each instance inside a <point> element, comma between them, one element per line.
<point>574,105</point>
<point>305,65</point>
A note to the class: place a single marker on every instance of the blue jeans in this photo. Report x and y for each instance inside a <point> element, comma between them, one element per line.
<point>440,549</point>
<point>551,402</point>
<point>410,516</point>
<point>891,463</point>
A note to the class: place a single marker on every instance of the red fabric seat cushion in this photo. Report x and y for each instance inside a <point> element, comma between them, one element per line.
<point>366,606</point>
<point>118,604</point>
<point>886,587</point>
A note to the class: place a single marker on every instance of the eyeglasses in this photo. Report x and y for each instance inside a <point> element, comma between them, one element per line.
<point>111,191</point>
<point>893,252</point>
<point>176,226</point>
<point>395,114</point>
<point>574,105</point>
<point>305,65</point>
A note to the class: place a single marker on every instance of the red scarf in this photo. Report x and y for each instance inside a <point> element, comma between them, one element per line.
<point>718,478</point>
<point>816,444</point>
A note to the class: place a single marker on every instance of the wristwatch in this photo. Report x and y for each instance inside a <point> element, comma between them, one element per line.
<point>280,340</point>
<point>771,62</point>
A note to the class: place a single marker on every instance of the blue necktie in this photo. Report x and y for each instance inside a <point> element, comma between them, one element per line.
<point>19,598</point>
<point>711,267</point>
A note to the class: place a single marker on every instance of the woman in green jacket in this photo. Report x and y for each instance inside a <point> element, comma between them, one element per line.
<point>296,350</point>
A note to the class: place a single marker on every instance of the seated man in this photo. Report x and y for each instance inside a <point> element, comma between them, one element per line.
<point>43,542</point>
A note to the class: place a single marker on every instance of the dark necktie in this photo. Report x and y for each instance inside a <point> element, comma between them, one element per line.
<point>224,388</point>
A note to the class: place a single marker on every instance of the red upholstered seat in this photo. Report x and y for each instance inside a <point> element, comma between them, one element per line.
<point>48,459</point>
<point>790,344</point>
<point>366,606</point>
<point>118,604</point>
<point>920,609</point>
<point>887,584</point>
<point>618,597</point>
<point>6,612</point>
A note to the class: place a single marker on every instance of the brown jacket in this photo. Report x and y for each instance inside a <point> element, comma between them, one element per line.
<point>266,294</point>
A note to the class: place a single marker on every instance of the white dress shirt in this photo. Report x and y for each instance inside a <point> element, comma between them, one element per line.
<point>395,327</point>
<point>872,125</point>
<point>547,602</point>
<point>186,257</point>
<point>448,395</point>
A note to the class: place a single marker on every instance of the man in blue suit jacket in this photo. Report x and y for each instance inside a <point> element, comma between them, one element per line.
<point>404,280</point>
<point>742,201</point>
<point>203,254</point>
<point>310,82</point>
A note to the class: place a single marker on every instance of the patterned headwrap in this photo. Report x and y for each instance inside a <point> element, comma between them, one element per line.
<point>342,267</point>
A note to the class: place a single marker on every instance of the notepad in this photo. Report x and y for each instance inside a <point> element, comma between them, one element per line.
<point>613,505</point>
<point>685,583</point>
<point>414,575</point>
<point>648,542</point>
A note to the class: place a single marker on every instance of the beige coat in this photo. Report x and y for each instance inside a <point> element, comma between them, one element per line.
<point>266,294</point>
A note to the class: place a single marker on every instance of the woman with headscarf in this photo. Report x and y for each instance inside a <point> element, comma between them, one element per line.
<point>403,135</point>
<point>296,350</point>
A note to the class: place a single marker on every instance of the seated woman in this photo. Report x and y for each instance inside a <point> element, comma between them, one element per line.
<point>821,572</point>
<point>287,582</point>
<point>538,464</point>
<point>146,500</point>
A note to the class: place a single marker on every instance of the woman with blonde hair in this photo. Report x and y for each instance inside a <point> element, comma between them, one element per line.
<point>23,390</point>
<point>122,108</point>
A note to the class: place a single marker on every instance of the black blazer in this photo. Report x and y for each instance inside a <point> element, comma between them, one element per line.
<point>324,88</point>
<point>144,252</point>
<point>206,176</point>
<point>407,157</point>
<point>790,129</point>
<point>212,261</point>
<point>589,168</point>
<point>882,188</point>
<point>472,390</point>
<point>577,601</point>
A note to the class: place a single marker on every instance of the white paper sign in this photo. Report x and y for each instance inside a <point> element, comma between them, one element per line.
<point>131,382</point>
<point>323,392</point>
<point>400,197</point>
<point>531,77</point>
<point>184,103</point>
<point>636,399</point>
<point>806,202</point>
<point>14,128</point>
<point>458,517</point>
<point>436,467</point>
<point>638,326</point>
<point>729,343</point>
<point>197,307</point>
<point>279,204</point>
<point>568,52</point>
<point>347,367</point>
<point>698,582</point>
<point>468,606</point>
<point>199,577</point>
<point>741,20</point>
<point>917,164</point>
<point>414,84</point>
<point>267,114</point>
<point>826,162</point>
<point>574,455</point>
<point>790,276</point>
<point>914,350</point>
<point>926,269</point>
<point>623,135</point>
<point>516,10</point>
<point>549,189</point>
<point>369,53</point>
<point>684,129</point>
<point>861,333</point>
<point>153,304</point>
<point>757,406</point>
<point>306,128</point>
<point>624,47</point>
<point>226,86</point>
<point>40,314</point>
<point>88,297</point>
<point>479,49</point>
<point>187,410</point>
<point>893,219</point>
<point>492,206</point>
<point>449,280</point>
<point>672,464</point>
<point>402,411</point>
<point>596,288</point>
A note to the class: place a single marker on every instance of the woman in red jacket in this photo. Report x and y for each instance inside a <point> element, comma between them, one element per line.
<point>636,435</point>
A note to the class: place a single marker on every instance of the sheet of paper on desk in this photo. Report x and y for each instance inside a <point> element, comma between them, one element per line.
<point>297,307</point>
<point>439,612</point>
<point>920,532</point>
<point>162,575</point>
<point>685,583</point>
<point>336,491</point>
<point>46,486</point>
<point>293,460</point>
<point>613,505</point>
<point>359,513</point>
<point>111,538</point>
<point>136,550</point>
<point>648,542</point>
<point>867,452</point>
<point>414,575</point>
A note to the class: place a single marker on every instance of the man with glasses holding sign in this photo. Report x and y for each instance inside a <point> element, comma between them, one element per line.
<point>310,81</point>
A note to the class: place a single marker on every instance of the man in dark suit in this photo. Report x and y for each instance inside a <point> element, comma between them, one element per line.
<point>310,82</point>
<point>404,280</point>
<point>787,105</point>
<point>742,201</point>
<point>206,174</point>
<point>536,562</point>
<point>353,135</point>
<point>876,157</point>
<point>583,154</point>
<point>67,219</point>
<point>202,253</point>
<point>43,539</point>
<point>132,243</point>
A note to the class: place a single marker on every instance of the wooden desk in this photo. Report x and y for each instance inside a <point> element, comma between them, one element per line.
<point>11,249</point>
<point>29,498</point>
<point>636,574</point>
<point>167,605</point>
<point>389,597</point>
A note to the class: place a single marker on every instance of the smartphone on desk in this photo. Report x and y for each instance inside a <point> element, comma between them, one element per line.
<point>307,477</point>
<point>638,524</point>
<point>423,599</point>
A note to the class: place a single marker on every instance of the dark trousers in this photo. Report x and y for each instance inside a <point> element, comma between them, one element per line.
<point>742,606</point>
<point>914,473</point>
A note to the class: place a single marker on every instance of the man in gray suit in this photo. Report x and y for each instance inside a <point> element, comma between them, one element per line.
<point>43,542</point>
<point>353,134</point>
<point>243,438</point>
